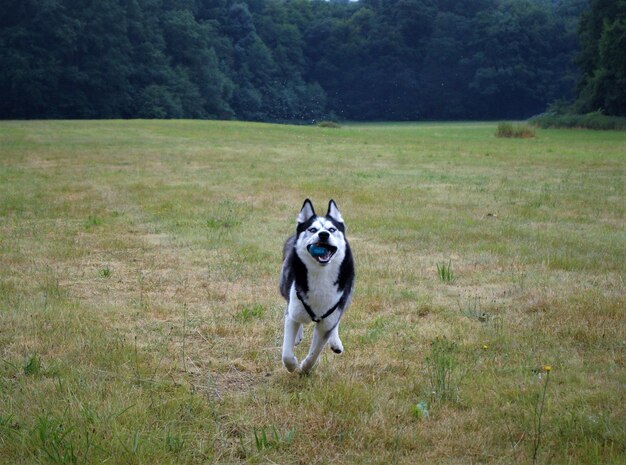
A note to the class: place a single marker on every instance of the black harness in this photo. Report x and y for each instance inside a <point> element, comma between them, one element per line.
<point>309,310</point>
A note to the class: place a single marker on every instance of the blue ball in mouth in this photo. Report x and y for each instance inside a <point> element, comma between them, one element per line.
<point>317,251</point>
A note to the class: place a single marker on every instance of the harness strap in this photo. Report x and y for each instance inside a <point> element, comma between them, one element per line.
<point>308,309</point>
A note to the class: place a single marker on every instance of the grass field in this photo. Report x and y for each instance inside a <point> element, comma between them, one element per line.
<point>140,319</point>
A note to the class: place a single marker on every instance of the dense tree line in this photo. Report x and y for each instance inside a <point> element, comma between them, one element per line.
<point>287,59</point>
<point>603,58</point>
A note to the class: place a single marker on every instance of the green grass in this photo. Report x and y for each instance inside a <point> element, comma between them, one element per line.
<point>140,319</point>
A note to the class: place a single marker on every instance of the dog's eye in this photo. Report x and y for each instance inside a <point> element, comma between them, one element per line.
<point>313,230</point>
<point>332,230</point>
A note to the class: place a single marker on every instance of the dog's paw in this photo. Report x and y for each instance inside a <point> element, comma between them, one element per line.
<point>307,365</point>
<point>336,345</point>
<point>291,363</point>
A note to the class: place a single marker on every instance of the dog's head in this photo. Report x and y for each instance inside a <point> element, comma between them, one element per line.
<point>320,239</point>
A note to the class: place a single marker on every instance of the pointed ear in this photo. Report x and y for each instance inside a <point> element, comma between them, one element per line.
<point>334,211</point>
<point>307,212</point>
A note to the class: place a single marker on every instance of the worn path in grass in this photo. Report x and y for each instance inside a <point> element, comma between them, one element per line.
<point>140,320</point>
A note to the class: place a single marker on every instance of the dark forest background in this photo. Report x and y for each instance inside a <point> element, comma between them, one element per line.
<point>288,60</point>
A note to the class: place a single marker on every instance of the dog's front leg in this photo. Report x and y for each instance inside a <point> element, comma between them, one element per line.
<point>291,331</point>
<point>320,336</point>
<point>334,342</point>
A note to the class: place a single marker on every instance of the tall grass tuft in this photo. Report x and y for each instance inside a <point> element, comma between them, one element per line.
<point>444,271</point>
<point>328,124</point>
<point>506,129</point>
<point>538,411</point>
<point>54,441</point>
<point>248,313</point>
<point>442,369</point>
<point>263,440</point>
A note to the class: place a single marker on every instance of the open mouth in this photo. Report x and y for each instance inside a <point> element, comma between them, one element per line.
<point>322,252</point>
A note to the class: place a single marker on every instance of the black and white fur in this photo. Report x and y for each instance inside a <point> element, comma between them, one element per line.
<point>317,289</point>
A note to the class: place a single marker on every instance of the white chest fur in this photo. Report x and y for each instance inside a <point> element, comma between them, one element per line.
<point>323,293</point>
<point>321,280</point>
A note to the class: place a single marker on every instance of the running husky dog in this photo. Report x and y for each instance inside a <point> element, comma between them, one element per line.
<point>317,279</point>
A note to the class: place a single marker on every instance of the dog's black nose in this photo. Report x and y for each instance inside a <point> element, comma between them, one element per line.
<point>323,236</point>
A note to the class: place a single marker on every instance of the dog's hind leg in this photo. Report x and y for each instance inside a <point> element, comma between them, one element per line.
<point>299,334</point>
<point>317,344</point>
<point>333,340</point>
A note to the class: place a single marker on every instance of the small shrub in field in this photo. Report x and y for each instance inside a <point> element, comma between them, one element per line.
<point>595,120</point>
<point>92,222</point>
<point>328,124</point>
<point>105,272</point>
<point>32,366</point>
<point>510,130</point>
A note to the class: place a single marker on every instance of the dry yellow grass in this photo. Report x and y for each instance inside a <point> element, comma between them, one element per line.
<point>140,320</point>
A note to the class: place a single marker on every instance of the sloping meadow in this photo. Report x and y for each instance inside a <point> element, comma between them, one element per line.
<point>140,319</point>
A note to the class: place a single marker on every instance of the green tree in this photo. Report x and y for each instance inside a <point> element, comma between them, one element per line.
<point>514,63</point>
<point>197,78</point>
<point>603,58</point>
<point>305,59</point>
<point>33,37</point>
